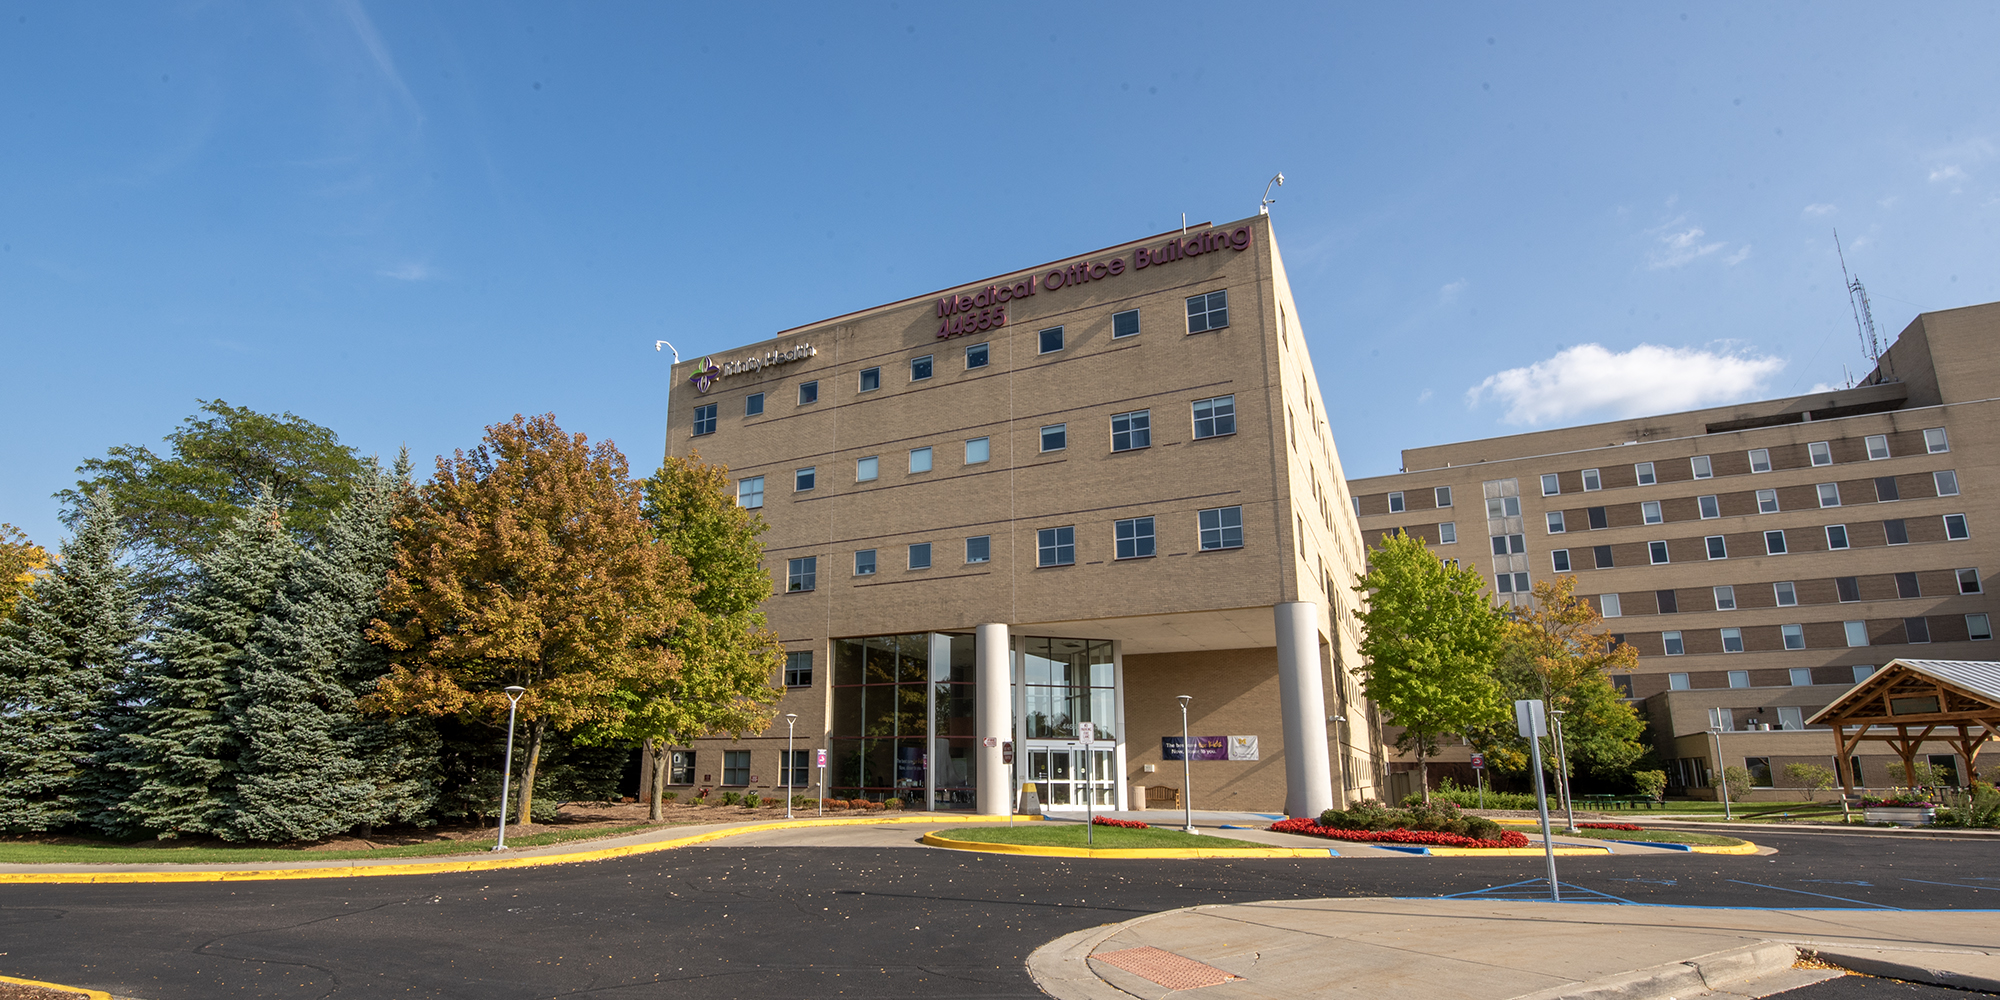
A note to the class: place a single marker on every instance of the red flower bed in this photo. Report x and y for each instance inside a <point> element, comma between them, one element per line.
<point>1311,827</point>
<point>1129,824</point>
<point>1609,826</point>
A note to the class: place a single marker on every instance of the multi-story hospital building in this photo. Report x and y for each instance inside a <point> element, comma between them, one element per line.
<point>1055,498</point>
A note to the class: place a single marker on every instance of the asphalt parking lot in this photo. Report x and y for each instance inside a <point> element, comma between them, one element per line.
<point>823,921</point>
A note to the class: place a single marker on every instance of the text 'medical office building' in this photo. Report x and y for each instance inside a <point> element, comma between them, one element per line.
<point>1058,496</point>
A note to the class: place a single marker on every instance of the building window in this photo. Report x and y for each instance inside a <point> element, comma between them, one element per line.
<point>1760,460</point>
<point>920,460</point>
<point>1356,501</point>
<point>704,419</point>
<point>735,767</point>
<point>1862,671</point>
<point>1718,547</point>
<point>1560,559</point>
<point>1935,441</point>
<point>1978,627</point>
<point>1857,633</point>
<point>1732,640</point>
<point>871,379</point>
<point>920,555</point>
<point>1050,340</point>
<point>1672,642</point>
<point>1131,431</point>
<point>979,549</point>
<point>1968,581</point>
<point>1669,601</point>
<point>1739,678</point>
<point>1946,481</point>
<point>680,767</point>
<point>1601,555</point>
<point>1395,503</point>
<point>1657,551</point>
<point>753,404</point>
<point>1795,636</point>
<point>1878,447</point>
<point>1847,588</point>
<point>1886,490</point>
<point>978,450</point>
<point>1448,533</point>
<point>1511,583</point>
<point>1215,417</point>
<point>1820,453</point>
<point>1208,312</point>
<point>920,368</point>
<point>1222,528</point>
<point>1703,468</point>
<point>1677,682</point>
<point>1801,677</point>
<point>1955,528</point>
<point>1760,771</point>
<point>794,772</point>
<point>1906,586</point>
<point>1725,598</point>
<point>1550,484</point>
<point>1055,546</point>
<point>1556,522</point>
<point>1774,543</point>
<point>1791,717</point>
<point>1896,532</point>
<point>977,356</point>
<point>1503,507</point>
<point>1917,629</point>
<point>799,669</point>
<point>1443,496</point>
<point>866,469</point>
<point>864,562</point>
<point>801,574</point>
<point>750,492</point>
<point>1125,324</point>
<point>1787,594</point>
<point>1644,470</point>
<point>1767,501</point>
<point>803,479</point>
<point>1591,481</point>
<point>1134,537</point>
<point>1609,606</point>
<point>1836,536</point>
<point>808,393</point>
<point>1509,544</point>
<point>1055,437</point>
<point>1829,494</point>
<point>1650,512</point>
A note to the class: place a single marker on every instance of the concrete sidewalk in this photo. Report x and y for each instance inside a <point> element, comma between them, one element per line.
<point>1444,949</point>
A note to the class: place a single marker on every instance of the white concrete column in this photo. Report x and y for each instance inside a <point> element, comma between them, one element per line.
<point>1302,704</point>
<point>994,710</point>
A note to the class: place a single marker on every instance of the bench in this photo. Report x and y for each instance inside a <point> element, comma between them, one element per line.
<point>1162,797</point>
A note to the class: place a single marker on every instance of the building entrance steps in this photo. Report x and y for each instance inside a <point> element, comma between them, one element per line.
<point>1504,950</point>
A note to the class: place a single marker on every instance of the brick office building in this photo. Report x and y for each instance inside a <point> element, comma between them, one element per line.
<point>1762,557</point>
<point>1063,495</point>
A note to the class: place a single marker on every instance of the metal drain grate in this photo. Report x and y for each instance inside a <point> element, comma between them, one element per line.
<point>1175,972</point>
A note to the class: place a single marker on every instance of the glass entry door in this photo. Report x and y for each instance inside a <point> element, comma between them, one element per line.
<point>1065,775</point>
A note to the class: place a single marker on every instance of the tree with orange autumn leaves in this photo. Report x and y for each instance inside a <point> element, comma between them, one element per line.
<point>527,562</point>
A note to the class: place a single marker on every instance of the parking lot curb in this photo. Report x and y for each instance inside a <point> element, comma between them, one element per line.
<point>1179,853</point>
<point>78,990</point>
<point>1690,977</point>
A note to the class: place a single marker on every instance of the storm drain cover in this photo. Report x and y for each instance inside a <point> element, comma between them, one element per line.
<point>1175,972</point>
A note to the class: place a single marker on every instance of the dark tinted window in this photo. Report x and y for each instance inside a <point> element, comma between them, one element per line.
<point>1849,587</point>
<point>1896,532</point>
<point>1603,554</point>
<point>1597,519</point>
<point>1669,604</point>
<point>1906,585</point>
<point>1885,489</point>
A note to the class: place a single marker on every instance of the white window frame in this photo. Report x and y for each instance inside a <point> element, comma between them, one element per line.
<point>917,549</point>
<point>1042,340</point>
<point>805,480</point>
<point>864,568</point>
<point>1119,537</point>
<point>1678,682</point>
<point>1977,623</point>
<point>1551,484</point>
<point>1592,481</point>
<point>1442,496</point>
<point>1214,419</point>
<point>1610,606</point>
<point>1448,533</point>
<point>1877,443</point>
<point>1049,546</point>
<point>1794,633</point>
<point>929,361</point>
<point>750,487</point>
<point>1710,543</point>
<point>1780,589</point>
<point>1759,456</point>
<point>1138,430</point>
<point>978,450</point>
<point>1668,640</point>
<point>1936,441</point>
<point>1060,432</point>
<point>1739,679</point>
<point>1557,526</point>
<point>986,542</point>
<point>1705,504</point>
<point>1115,317</point>
<point>753,404</point>
<point>1732,634</point>
<point>1938,482</point>
<point>1396,502</point>
<point>1650,513</point>
<point>867,468</point>
<point>1782,548</point>
<point>1645,473</point>
<point>1978,585</point>
<point>1838,532</point>
<point>1658,554</point>
<point>802,574</point>
<point>1819,453</point>
<point>1717,594</point>
<point>1829,494</point>
<point>983,352</point>
<point>922,460</point>
<point>1770,495</point>
<point>1856,633</point>
<point>1559,561</point>
<point>1220,537</point>
<point>1964,528</point>
<point>1796,673</point>
<point>1702,467</point>
<point>870,374</point>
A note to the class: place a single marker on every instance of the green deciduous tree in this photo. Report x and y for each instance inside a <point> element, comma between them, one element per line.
<point>1810,778</point>
<point>526,561</point>
<point>176,507</point>
<point>69,643</point>
<point>1556,650</point>
<point>1430,632</point>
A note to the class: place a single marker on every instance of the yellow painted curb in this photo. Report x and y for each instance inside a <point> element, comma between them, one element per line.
<point>1129,852</point>
<point>78,990</point>
<point>445,867</point>
<point>1745,847</point>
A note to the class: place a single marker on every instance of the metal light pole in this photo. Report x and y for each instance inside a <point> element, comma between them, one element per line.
<point>668,425</point>
<point>514,693</point>
<point>1562,773</point>
<point>1187,768</point>
<point>1721,772</point>
<point>1340,743</point>
<point>791,719</point>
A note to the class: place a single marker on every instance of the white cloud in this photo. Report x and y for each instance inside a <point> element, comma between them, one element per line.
<point>412,271</point>
<point>1679,248</point>
<point>1819,387</point>
<point>1819,208</point>
<point>1951,173</point>
<point>1648,378</point>
<point>1451,292</point>
<point>1859,242</point>
<point>1738,257</point>
<point>1425,396</point>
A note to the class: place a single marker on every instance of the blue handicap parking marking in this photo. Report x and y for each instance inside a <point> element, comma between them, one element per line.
<point>1802,892</point>
<point>1650,881</point>
<point>1837,881</point>
<point>1538,889</point>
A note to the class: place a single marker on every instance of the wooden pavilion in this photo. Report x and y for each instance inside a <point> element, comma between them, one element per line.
<point>1907,702</point>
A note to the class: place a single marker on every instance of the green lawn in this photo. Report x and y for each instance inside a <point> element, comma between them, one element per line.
<point>1658,836</point>
<point>1044,834</point>
<point>108,853</point>
<point>1752,812</point>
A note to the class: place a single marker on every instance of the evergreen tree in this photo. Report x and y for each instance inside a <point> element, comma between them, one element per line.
<point>313,766</point>
<point>66,647</point>
<point>180,753</point>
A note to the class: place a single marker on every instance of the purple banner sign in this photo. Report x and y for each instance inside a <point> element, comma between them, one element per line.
<point>1205,748</point>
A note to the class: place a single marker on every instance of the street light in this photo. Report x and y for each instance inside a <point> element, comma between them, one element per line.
<point>1562,772</point>
<point>791,719</point>
<point>514,693</point>
<point>1721,773</point>
<point>1187,769</point>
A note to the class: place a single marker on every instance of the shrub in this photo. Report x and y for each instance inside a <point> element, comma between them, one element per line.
<point>752,800</point>
<point>861,804</point>
<point>1440,816</point>
<point>1468,798</point>
<point>799,801</point>
<point>1651,784</point>
<point>1738,781</point>
<point>833,805</point>
<point>670,796</point>
<point>731,798</point>
<point>892,803</point>
<point>1129,824</point>
<point>1500,838</point>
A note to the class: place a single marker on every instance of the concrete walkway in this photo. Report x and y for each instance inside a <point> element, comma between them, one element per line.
<point>1444,949</point>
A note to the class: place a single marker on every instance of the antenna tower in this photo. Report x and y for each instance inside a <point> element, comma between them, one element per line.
<point>1857,301</point>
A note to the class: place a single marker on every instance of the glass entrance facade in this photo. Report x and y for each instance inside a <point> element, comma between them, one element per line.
<point>1060,683</point>
<point>902,720</point>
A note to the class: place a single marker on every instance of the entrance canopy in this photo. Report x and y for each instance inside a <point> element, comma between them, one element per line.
<point>1910,701</point>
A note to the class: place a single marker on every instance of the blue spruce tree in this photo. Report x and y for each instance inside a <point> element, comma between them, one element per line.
<point>64,653</point>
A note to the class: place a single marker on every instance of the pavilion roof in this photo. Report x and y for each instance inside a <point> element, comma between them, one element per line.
<point>1976,681</point>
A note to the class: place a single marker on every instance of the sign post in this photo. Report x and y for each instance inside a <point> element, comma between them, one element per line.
<point>1479,776</point>
<point>1531,718</point>
<point>1086,733</point>
<point>820,759</point>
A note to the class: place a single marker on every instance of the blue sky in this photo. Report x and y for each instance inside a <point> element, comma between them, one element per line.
<point>408,221</point>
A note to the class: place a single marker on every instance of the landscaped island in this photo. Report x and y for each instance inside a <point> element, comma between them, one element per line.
<point>1435,824</point>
